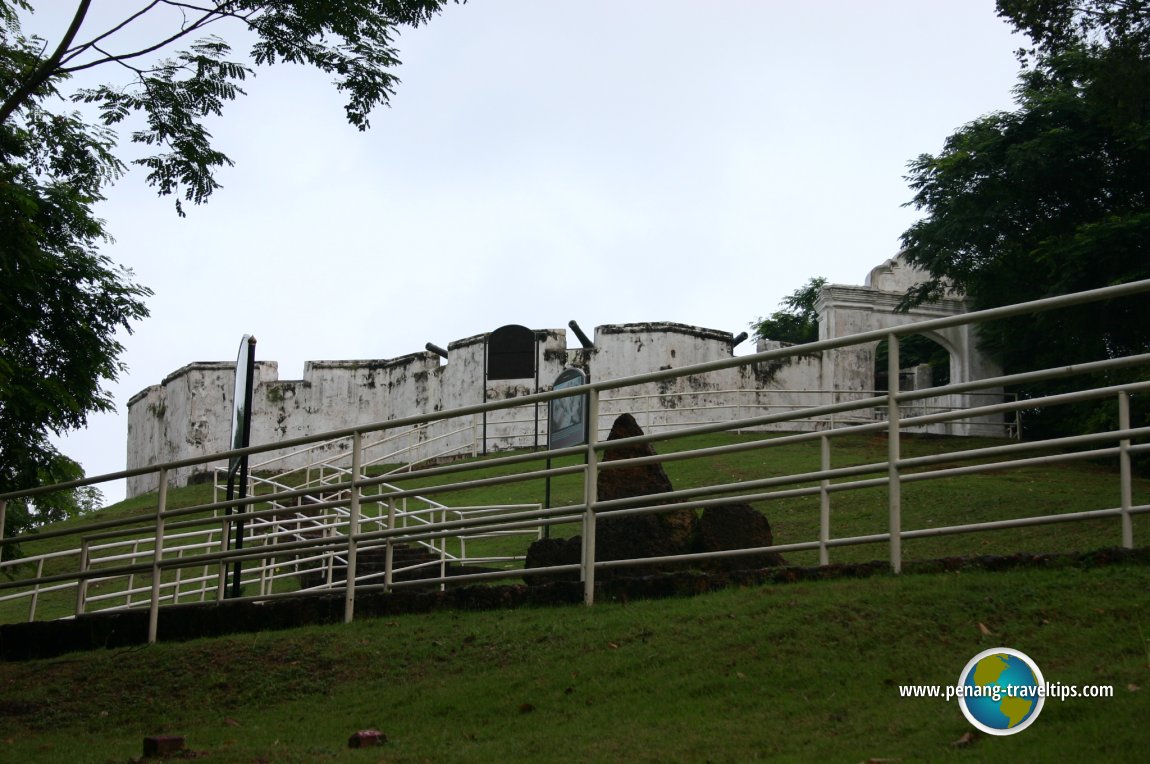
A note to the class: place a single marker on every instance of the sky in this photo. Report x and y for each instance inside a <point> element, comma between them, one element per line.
<point>607,161</point>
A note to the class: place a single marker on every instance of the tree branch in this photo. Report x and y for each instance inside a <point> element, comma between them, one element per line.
<point>76,51</point>
<point>48,68</point>
<point>218,9</point>
<point>209,16</point>
<point>143,52</point>
<point>139,72</point>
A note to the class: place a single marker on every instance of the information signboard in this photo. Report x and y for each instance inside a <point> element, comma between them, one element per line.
<point>567,417</point>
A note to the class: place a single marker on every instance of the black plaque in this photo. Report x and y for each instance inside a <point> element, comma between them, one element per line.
<point>511,353</point>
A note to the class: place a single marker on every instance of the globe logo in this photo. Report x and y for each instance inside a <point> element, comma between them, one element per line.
<point>1002,691</point>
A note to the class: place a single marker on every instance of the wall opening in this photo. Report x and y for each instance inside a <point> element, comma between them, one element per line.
<point>922,363</point>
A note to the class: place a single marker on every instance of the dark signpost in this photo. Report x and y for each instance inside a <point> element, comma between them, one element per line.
<point>241,438</point>
<point>510,353</point>
<point>566,422</point>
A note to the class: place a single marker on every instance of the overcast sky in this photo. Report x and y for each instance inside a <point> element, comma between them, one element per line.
<point>607,161</point>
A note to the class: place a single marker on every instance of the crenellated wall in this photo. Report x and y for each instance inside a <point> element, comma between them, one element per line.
<point>189,413</point>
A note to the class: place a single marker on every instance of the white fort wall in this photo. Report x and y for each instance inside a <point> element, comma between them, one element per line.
<point>189,413</point>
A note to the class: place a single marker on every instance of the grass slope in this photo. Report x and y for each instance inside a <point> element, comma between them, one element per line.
<point>798,672</point>
<point>1034,490</point>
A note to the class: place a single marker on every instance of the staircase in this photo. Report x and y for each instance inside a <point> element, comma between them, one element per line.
<point>298,521</point>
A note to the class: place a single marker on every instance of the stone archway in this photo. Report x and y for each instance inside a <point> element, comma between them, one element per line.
<point>845,310</point>
<point>925,361</point>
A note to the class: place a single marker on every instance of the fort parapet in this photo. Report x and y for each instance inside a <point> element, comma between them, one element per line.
<point>189,413</point>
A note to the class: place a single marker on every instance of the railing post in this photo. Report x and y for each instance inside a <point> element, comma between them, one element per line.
<point>222,580</point>
<point>132,576</point>
<point>591,497</point>
<point>1124,470</point>
<point>82,582</point>
<point>389,551</point>
<point>36,592</point>
<point>267,576</point>
<point>205,572</point>
<point>3,514</point>
<point>824,502</point>
<point>442,552</point>
<point>329,532</point>
<point>892,454</point>
<point>157,554</point>
<point>352,528</point>
<point>179,579</point>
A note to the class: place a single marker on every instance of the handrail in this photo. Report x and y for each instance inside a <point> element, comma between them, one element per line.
<point>136,548</point>
<point>933,324</point>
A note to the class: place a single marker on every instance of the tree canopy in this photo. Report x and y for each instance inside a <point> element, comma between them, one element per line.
<point>63,300</point>
<point>796,321</point>
<point>1053,197</point>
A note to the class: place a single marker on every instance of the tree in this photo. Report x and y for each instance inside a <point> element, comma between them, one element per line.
<point>63,301</point>
<point>796,322</point>
<point>28,514</point>
<point>1053,197</point>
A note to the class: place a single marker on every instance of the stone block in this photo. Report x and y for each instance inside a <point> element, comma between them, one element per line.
<point>163,745</point>
<point>366,739</point>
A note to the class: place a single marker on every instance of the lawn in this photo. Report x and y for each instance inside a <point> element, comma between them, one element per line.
<point>793,672</point>
<point>989,496</point>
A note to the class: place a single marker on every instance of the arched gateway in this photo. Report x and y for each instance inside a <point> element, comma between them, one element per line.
<point>845,310</point>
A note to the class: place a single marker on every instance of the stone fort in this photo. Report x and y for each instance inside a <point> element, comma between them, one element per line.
<point>189,413</point>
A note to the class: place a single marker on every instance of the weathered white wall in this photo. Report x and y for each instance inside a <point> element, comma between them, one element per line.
<point>189,413</point>
<point>625,350</point>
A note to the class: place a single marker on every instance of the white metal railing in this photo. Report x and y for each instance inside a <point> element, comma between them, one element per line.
<point>100,587</point>
<point>320,460</point>
<point>328,461</point>
<point>160,563</point>
<point>328,477</point>
<point>727,404</point>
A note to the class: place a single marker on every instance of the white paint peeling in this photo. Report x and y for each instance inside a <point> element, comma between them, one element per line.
<point>189,413</point>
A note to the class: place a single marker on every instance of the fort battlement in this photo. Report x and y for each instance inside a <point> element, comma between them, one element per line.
<point>189,413</point>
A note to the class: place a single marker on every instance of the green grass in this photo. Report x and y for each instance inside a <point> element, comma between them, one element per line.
<point>984,497</point>
<point>1052,489</point>
<point>797,672</point>
<point>800,672</point>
